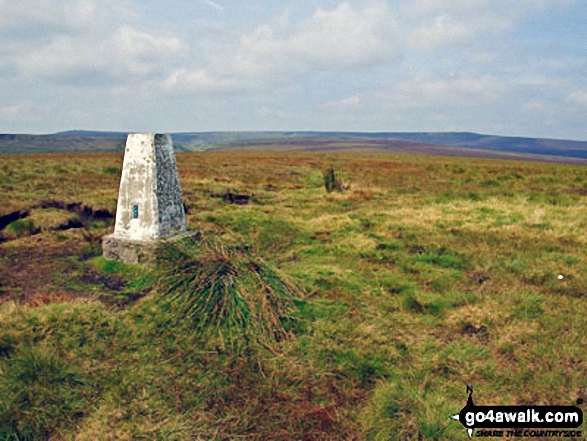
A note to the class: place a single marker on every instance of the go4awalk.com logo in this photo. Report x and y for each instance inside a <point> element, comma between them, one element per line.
<point>520,421</point>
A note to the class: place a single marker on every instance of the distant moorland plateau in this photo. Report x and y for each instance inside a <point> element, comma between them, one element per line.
<point>432,143</point>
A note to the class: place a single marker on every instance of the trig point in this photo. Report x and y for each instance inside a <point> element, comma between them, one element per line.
<point>150,206</point>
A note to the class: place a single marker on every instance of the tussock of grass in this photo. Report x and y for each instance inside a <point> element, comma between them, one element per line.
<point>333,181</point>
<point>226,292</point>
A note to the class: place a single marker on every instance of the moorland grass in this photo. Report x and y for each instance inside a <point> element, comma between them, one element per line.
<point>428,274</point>
<point>225,293</point>
<point>21,228</point>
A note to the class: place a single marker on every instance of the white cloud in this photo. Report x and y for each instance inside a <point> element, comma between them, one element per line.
<point>440,31</point>
<point>183,80</point>
<point>61,57</point>
<point>11,111</point>
<point>214,5</point>
<point>535,106</point>
<point>344,103</point>
<point>433,23</point>
<point>442,92</point>
<point>131,42</point>
<point>469,8</point>
<point>43,16</point>
<point>141,52</point>
<point>278,53</point>
<point>343,37</point>
<point>81,42</point>
<point>337,39</point>
<point>577,97</point>
<point>127,51</point>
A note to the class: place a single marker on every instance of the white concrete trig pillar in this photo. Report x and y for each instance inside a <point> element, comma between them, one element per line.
<point>150,204</point>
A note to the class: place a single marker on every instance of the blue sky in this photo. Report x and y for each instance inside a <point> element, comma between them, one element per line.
<point>508,67</point>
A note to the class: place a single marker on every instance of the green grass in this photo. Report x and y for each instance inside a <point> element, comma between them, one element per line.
<point>21,228</point>
<point>224,292</point>
<point>429,273</point>
<point>137,280</point>
<point>40,393</point>
<point>112,171</point>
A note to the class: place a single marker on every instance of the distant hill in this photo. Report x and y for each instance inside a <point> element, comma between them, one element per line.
<point>93,134</point>
<point>59,143</point>
<point>452,143</point>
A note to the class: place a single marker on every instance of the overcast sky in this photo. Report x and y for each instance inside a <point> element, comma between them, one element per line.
<point>508,67</point>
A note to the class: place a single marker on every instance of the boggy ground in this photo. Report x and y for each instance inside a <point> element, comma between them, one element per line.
<point>429,273</point>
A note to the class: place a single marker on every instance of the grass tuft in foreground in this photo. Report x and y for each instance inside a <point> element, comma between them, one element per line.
<point>226,293</point>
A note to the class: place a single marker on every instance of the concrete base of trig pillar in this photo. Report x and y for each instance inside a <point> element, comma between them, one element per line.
<point>134,252</point>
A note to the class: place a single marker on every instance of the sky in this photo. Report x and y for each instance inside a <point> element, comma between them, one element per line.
<point>504,67</point>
